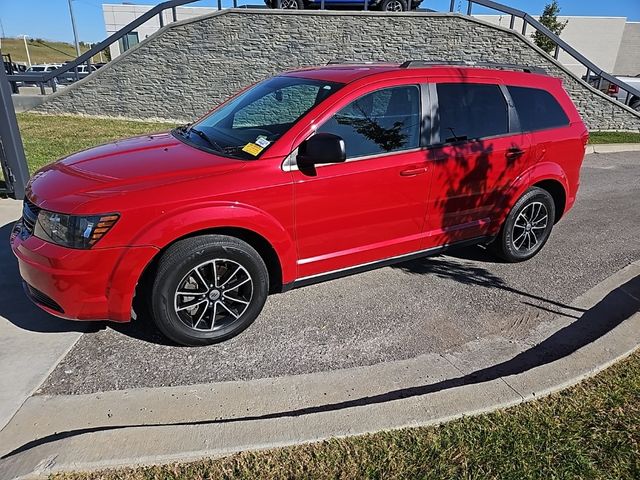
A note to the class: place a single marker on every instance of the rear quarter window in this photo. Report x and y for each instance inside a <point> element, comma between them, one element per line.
<point>537,109</point>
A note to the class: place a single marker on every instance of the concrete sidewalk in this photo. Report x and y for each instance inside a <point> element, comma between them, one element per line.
<point>141,426</point>
<point>31,341</point>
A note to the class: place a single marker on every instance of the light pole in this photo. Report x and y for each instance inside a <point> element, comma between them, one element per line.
<point>75,38</point>
<point>26,47</point>
<point>75,31</point>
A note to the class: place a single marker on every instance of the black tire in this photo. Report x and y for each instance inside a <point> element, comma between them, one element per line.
<point>635,103</point>
<point>289,4</point>
<point>186,265</point>
<point>515,242</point>
<point>394,6</point>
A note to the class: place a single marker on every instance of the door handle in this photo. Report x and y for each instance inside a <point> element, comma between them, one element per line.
<point>412,172</point>
<point>514,153</point>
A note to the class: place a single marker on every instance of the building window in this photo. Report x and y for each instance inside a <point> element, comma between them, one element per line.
<point>128,41</point>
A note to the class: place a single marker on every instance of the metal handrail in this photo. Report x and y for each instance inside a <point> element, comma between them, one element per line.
<point>96,49</point>
<point>159,9</point>
<point>560,44</point>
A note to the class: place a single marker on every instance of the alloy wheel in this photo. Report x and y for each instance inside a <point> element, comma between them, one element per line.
<point>213,295</point>
<point>529,227</point>
<point>394,6</point>
<point>290,4</point>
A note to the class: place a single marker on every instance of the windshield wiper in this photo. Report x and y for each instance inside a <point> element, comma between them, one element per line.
<point>183,128</point>
<point>205,137</point>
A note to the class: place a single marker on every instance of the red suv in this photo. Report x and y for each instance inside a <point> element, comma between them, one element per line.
<point>304,177</point>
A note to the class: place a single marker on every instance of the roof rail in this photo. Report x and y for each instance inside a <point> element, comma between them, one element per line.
<point>495,65</point>
<point>347,63</point>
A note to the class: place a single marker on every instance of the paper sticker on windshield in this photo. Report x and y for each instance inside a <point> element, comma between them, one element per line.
<point>262,141</point>
<point>252,149</point>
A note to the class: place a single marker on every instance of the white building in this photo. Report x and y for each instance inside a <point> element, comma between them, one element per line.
<point>612,43</point>
<point>117,16</point>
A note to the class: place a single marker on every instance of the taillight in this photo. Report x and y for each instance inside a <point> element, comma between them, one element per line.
<point>585,138</point>
<point>613,89</point>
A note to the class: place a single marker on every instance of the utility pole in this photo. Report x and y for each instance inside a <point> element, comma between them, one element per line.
<point>26,47</point>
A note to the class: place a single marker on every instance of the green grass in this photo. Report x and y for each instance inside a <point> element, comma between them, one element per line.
<point>47,138</point>
<point>43,51</point>
<point>614,137</point>
<point>590,431</point>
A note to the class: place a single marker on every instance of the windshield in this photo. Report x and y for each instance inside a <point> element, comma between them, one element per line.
<point>247,125</point>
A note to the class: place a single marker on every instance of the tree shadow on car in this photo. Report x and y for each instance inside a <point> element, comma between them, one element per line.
<point>16,307</point>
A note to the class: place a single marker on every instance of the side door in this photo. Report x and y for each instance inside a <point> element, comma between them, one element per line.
<point>477,151</point>
<point>372,206</point>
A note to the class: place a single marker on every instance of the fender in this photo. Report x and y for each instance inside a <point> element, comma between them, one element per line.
<point>189,219</point>
<point>536,174</point>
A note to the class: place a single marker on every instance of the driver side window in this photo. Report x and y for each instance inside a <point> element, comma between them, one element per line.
<point>383,121</point>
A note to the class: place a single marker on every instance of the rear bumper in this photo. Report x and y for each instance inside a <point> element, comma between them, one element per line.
<point>96,284</point>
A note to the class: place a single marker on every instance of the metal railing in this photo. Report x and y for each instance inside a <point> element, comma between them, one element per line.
<point>560,45</point>
<point>600,76</point>
<point>50,78</point>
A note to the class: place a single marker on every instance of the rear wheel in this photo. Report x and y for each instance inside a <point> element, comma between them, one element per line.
<point>527,227</point>
<point>289,4</point>
<point>394,6</point>
<point>208,289</point>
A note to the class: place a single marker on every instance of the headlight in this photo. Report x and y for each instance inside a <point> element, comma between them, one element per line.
<point>71,230</point>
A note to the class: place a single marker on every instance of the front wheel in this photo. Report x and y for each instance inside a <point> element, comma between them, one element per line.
<point>208,289</point>
<point>394,6</point>
<point>527,227</point>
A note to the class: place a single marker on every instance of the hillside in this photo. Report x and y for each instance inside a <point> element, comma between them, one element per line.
<point>42,51</point>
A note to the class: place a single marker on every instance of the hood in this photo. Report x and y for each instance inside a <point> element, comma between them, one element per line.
<point>126,165</point>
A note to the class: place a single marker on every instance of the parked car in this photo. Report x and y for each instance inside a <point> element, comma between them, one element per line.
<point>37,70</point>
<point>634,101</point>
<point>384,5</point>
<point>70,76</point>
<point>307,176</point>
<point>615,91</point>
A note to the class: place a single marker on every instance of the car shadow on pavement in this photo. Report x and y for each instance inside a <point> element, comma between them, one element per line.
<point>16,307</point>
<point>446,267</point>
<point>143,328</point>
<point>618,306</point>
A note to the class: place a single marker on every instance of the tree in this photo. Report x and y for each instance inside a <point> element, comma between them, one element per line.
<point>550,20</point>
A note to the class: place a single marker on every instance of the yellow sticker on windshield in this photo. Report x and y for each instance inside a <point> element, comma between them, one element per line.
<point>252,149</point>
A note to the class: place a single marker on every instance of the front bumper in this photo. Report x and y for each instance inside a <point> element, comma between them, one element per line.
<point>95,284</point>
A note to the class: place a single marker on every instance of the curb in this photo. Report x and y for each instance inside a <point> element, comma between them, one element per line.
<point>145,426</point>
<point>613,148</point>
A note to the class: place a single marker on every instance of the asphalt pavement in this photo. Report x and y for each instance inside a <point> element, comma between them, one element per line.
<point>435,305</point>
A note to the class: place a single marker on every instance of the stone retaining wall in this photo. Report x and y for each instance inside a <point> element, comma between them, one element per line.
<point>188,67</point>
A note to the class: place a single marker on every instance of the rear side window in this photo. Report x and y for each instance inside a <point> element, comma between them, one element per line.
<point>383,121</point>
<point>537,109</point>
<point>471,111</point>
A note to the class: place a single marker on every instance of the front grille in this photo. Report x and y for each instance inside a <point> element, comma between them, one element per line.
<point>29,216</point>
<point>38,297</point>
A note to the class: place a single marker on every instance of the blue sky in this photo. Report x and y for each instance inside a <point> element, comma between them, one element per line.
<point>49,19</point>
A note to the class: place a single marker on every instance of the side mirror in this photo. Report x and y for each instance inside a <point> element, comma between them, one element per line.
<point>321,148</point>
